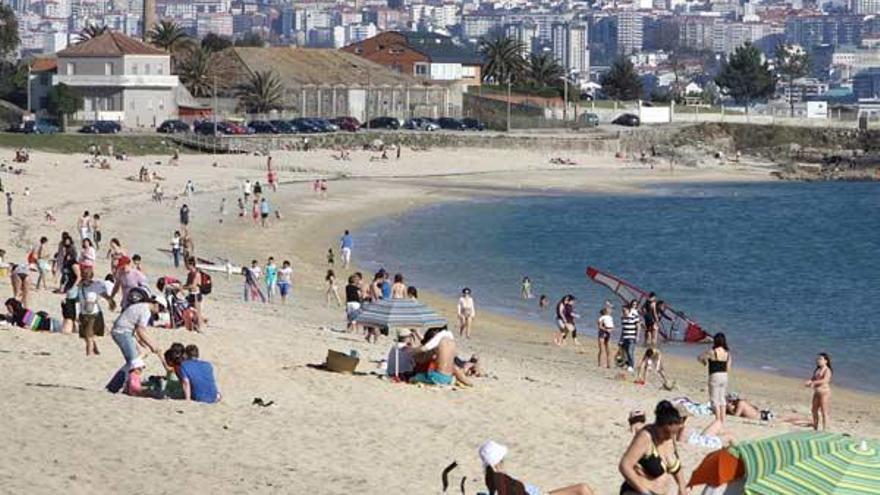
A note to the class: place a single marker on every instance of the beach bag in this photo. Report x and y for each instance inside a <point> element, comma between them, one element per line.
<point>205,283</point>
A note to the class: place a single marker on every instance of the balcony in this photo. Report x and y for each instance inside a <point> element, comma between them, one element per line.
<point>121,81</point>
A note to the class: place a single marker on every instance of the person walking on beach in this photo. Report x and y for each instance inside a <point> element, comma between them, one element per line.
<point>84,227</point>
<point>353,300</point>
<point>271,175</point>
<point>175,248</point>
<point>332,292</point>
<point>264,212</point>
<point>285,280</point>
<point>271,277</point>
<point>466,313</point>
<point>184,216</point>
<point>605,324</point>
<point>252,282</point>
<point>323,189</point>
<point>96,231</point>
<point>331,259</point>
<point>346,245</point>
<point>258,190</point>
<point>255,212</point>
<point>718,360</point>
<point>91,318</point>
<point>821,385</point>
<point>629,332</point>
<point>8,204</point>
<point>40,258</point>
<point>241,208</point>
<point>246,189</point>
<point>563,322</point>
<point>222,209</point>
<point>651,315</point>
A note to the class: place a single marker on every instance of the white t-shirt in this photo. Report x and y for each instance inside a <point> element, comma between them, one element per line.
<point>175,242</point>
<point>606,322</point>
<point>89,297</point>
<point>134,316</point>
<point>257,271</point>
<point>285,274</point>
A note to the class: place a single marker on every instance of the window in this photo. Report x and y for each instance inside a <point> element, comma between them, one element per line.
<point>421,70</point>
<point>71,68</point>
<point>395,51</point>
<point>160,69</point>
<point>146,69</point>
<point>108,68</point>
<point>134,69</point>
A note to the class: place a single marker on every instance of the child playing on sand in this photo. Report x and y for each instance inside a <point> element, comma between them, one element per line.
<point>331,260</point>
<point>651,359</point>
<point>821,385</point>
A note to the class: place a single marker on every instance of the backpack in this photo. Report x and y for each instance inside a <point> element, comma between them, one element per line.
<point>205,283</point>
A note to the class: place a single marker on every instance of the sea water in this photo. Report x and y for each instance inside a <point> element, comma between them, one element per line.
<point>786,270</point>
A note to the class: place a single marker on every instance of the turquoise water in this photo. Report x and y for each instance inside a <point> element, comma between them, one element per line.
<point>786,270</point>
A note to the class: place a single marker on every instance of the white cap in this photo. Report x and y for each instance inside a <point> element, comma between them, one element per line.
<point>136,363</point>
<point>492,453</point>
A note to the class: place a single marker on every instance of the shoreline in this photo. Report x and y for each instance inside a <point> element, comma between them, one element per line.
<point>326,433</point>
<point>681,364</point>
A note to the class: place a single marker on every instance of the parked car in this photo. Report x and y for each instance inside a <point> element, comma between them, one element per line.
<point>236,128</point>
<point>473,124</point>
<point>261,127</point>
<point>384,123</point>
<point>588,119</point>
<point>450,123</point>
<point>102,127</point>
<point>627,119</point>
<point>173,126</point>
<point>323,125</point>
<point>207,128</point>
<point>421,124</point>
<point>35,127</point>
<point>283,126</point>
<point>304,125</point>
<point>349,124</point>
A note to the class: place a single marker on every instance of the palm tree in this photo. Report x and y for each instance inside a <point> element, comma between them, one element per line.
<point>197,69</point>
<point>544,70</point>
<point>90,31</point>
<point>168,35</point>
<point>263,92</point>
<point>503,60</point>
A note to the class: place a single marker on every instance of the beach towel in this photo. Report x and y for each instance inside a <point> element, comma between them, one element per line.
<point>695,408</point>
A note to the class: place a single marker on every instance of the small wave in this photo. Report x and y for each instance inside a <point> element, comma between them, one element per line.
<point>769,368</point>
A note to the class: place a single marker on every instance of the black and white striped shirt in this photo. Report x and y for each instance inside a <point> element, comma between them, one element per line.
<point>629,325</point>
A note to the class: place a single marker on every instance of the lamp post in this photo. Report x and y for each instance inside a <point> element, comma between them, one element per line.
<point>29,87</point>
<point>214,110</point>
<point>508,103</point>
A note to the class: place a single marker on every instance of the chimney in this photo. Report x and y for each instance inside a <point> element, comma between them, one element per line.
<point>148,18</point>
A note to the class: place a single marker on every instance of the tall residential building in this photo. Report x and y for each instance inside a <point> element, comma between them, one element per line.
<point>813,30</point>
<point>864,7</point>
<point>629,32</point>
<point>570,46</point>
<point>526,33</point>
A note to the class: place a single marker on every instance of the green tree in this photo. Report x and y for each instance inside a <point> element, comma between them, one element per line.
<point>544,70</point>
<point>169,36</point>
<point>215,42</point>
<point>745,76</point>
<point>251,39</point>
<point>503,60</point>
<point>63,102</point>
<point>197,70</point>
<point>262,92</point>
<point>13,82</point>
<point>90,31</point>
<point>792,62</point>
<point>621,82</point>
<point>9,39</point>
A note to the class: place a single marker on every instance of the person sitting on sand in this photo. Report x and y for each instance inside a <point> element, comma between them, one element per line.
<point>651,461</point>
<point>470,367</point>
<point>739,407</point>
<point>135,385</point>
<point>498,482</point>
<point>437,360</point>
<point>400,362</point>
<point>173,358</point>
<point>197,378</point>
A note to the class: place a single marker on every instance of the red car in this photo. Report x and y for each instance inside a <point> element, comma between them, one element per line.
<point>234,128</point>
<point>349,124</point>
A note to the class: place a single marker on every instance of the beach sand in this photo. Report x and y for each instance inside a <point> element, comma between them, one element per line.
<point>563,419</point>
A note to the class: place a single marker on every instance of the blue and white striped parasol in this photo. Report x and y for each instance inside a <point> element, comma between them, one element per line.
<point>399,313</point>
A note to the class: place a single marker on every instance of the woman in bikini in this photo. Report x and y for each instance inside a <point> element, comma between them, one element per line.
<point>821,385</point>
<point>115,252</point>
<point>466,313</point>
<point>651,462</point>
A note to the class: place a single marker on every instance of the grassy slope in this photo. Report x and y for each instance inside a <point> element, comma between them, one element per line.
<point>134,144</point>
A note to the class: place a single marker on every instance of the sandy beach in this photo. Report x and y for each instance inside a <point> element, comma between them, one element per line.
<point>564,419</point>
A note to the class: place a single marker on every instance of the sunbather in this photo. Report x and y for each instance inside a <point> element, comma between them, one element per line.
<point>739,407</point>
<point>436,357</point>
<point>499,483</point>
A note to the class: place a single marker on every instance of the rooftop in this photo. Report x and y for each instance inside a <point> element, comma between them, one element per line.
<point>443,49</point>
<point>110,44</point>
<point>318,66</point>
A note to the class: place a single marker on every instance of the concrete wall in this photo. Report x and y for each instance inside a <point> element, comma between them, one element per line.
<point>89,66</point>
<point>147,65</point>
<point>147,108</point>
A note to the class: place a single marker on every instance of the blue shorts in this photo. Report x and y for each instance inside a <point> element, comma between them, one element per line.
<point>283,288</point>
<point>433,378</point>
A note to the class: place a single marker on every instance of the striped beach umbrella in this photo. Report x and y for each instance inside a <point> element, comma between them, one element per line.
<point>810,463</point>
<point>399,313</point>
